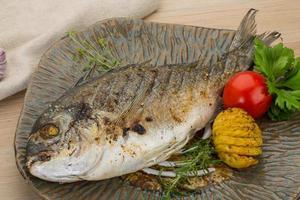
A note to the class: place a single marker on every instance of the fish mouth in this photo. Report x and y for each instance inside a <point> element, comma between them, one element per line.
<point>43,156</point>
<point>37,151</point>
<point>42,166</point>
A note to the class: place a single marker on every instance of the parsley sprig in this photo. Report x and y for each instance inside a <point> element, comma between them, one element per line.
<point>282,71</point>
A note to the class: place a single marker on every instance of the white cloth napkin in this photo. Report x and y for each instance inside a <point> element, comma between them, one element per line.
<point>28,28</point>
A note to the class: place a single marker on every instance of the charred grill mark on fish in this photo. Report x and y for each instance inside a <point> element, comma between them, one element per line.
<point>125,131</point>
<point>112,102</point>
<point>106,120</point>
<point>138,128</point>
<point>148,119</point>
<point>85,111</point>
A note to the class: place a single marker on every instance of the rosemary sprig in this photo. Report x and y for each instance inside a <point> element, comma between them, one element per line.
<point>198,156</point>
<point>95,53</point>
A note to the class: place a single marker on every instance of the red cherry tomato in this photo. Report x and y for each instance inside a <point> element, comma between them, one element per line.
<point>247,90</point>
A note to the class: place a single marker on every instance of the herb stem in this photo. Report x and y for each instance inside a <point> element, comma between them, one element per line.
<point>88,51</point>
<point>198,156</point>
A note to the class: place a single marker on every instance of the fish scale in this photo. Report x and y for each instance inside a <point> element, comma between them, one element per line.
<point>112,88</point>
<point>119,85</point>
<point>110,114</point>
<point>161,83</point>
<point>129,88</point>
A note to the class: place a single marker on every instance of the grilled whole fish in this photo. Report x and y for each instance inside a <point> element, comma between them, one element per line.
<point>134,116</point>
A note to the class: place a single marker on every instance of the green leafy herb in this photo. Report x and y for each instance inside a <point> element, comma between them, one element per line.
<point>282,71</point>
<point>93,53</point>
<point>198,156</point>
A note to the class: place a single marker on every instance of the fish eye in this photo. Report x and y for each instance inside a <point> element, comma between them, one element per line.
<point>49,130</point>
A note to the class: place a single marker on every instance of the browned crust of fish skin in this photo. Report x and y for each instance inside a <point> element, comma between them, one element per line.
<point>112,102</point>
<point>175,116</point>
<point>130,150</point>
<point>173,92</point>
<point>203,94</point>
<point>84,111</point>
<point>148,119</point>
<point>97,139</point>
<point>112,131</point>
<point>179,111</point>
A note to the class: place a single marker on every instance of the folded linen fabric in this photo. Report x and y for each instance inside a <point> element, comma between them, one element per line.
<point>29,27</point>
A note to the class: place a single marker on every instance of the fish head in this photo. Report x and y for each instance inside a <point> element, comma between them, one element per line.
<point>64,144</point>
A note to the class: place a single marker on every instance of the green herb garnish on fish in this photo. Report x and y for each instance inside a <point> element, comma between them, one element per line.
<point>197,156</point>
<point>94,53</point>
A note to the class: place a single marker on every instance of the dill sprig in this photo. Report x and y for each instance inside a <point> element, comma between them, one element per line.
<point>96,53</point>
<point>198,156</point>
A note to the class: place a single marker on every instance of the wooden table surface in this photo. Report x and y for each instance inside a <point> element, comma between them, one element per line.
<point>279,15</point>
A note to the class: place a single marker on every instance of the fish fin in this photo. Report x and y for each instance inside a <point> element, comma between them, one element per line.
<point>164,152</point>
<point>91,72</point>
<point>86,76</point>
<point>269,37</point>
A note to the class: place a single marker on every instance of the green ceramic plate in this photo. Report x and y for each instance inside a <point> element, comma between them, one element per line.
<point>135,41</point>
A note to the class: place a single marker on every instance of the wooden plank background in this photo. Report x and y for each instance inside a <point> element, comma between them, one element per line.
<point>279,15</point>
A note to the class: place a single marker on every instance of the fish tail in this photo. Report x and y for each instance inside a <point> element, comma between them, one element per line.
<point>269,37</point>
<point>242,47</point>
<point>245,32</point>
<point>240,54</point>
<point>240,51</point>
